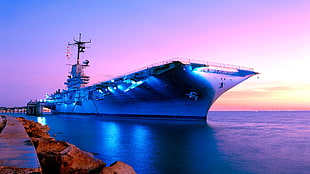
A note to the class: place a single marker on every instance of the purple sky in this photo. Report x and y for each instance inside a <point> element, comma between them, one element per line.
<point>271,36</point>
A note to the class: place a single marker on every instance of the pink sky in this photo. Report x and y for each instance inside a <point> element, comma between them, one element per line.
<point>273,37</point>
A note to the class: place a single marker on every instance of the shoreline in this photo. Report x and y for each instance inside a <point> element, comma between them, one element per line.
<point>62,157</point>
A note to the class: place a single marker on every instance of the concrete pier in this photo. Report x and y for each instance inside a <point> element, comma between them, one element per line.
<point>35,108</point>
<point>17,153</point>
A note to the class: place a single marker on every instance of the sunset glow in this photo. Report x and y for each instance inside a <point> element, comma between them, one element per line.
<point>273,37</point>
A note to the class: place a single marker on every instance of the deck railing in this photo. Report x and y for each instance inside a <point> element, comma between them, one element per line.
<point>187,61</point>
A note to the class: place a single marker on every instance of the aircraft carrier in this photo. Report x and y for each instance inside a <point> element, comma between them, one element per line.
<point>178,88</point>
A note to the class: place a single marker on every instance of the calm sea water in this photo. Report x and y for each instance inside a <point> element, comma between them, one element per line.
<point>231,142</point>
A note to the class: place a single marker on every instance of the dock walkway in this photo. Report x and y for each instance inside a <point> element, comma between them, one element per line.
<point>17,153</point>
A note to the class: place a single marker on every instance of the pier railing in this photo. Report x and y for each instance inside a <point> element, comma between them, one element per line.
<point>32,108</point>
<point>13,109</point>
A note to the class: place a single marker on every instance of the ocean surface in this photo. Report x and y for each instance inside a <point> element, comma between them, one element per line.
<point>230,142</point>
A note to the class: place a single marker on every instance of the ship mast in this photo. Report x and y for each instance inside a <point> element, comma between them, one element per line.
<point>81,46</point>
<point>77,78</point>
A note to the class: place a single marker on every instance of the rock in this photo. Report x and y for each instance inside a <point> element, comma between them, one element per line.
<point>63,157</point>
<point>2,122</point>
<point>34,129</point>
<point>59,156</point>
<point>118,168</point>
<point>14,170</point>
<point>74,159</point>
<point>49,144</point>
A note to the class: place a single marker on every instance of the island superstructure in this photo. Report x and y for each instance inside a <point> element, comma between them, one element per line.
<point>178,88</point>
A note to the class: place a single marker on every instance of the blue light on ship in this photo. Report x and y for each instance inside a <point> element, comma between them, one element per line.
<point>110,89</point>
<point>121,87</point>
<point>197,70</point>
<point>133,85</point>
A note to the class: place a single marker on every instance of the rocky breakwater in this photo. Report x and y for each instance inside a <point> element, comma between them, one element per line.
<point>2,122</point>
<point>63,157</point>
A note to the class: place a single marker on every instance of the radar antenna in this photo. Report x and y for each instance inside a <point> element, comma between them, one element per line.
<point>81,46</point>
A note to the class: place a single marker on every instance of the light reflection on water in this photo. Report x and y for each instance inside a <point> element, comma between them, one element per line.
<point>231,142</point>
<point>41,120</point>
<point>111,134</point>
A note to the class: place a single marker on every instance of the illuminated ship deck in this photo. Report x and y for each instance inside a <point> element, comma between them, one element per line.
<point>176,88</point>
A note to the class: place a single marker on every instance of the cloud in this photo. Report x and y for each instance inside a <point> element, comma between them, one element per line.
<point>272,96</point>
<point>268,91</point>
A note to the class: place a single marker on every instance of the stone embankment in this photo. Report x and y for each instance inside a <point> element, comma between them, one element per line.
<point>63,157</point>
